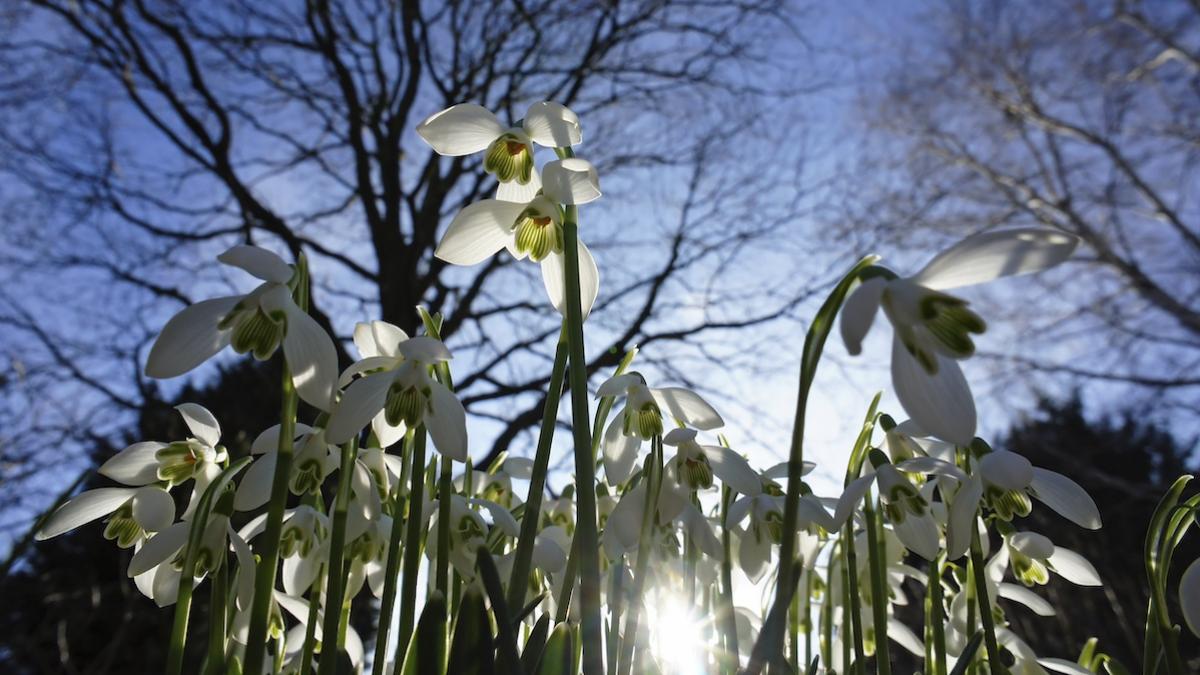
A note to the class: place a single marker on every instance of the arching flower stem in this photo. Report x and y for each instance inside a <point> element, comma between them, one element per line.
<point>935,618</point>
<point>851,563</point>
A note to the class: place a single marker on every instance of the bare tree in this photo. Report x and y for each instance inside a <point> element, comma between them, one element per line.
<point>1083,116</point>
<point>138,139</point>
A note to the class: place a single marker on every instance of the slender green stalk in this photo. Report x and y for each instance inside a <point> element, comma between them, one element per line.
<point>985,604</point>
<point>264,577</point>
<point>310,625</point>
<point>445,490</point>
<point>860,658</point>
<point>875,559</point>
<point>641,566</point>
<point>808,625</point>
<point>827,616</point>
<point>568,585</point>
<point>518,582</point>
<point>216,619</point>
<point>847,627</point>
<point>585,472</point>
<point>814,344</point>
<point>728,618</point>
<point>412,550</point>
<point>388,602</point>
<point>794,627</point>
<point>335,587</point>
<point>935,618</point>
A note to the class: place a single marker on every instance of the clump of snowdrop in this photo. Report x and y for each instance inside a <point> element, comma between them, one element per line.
<point>640,566</point>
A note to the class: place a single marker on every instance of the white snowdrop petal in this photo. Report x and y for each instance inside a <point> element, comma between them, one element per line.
<point>963,506</point>
<point>552,125</point>
<point>160,548</point>
<point>201,423</point>
<point>512,191</point>
<point>189,338</point>
<point>254,489</point>
<point>1074,567</point>
<point>1006,469</point>
<point>478,231</point>
<point>447,423</point>
<point>460,130</point>
<point>858,313</point>
<point>620,451</point>
<point>1189,596</point>
<point>501,516</point>
<point>687,407</point>
<point>1066,498</point>
<point>312,359</point>
<point>424,349</point>
<point>83,509</point>
<point>153,508</point>
<point>733,470</point>
<point>1064,666</point>
<point>904,637</point>
<point>994,254</point>
<point>571,181</point>
<point>942,403</point>
<point>259,262</point>
<point>360,402</point>
<point>135,465</point>
<point>554,280</point>
<point>1026,597</point>
<point>387,337</point>
<point>387,434</point>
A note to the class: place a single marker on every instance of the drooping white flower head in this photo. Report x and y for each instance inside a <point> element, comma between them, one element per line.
<point>468,128</point>
<point>257,323</point>
<point>642,419</point>
<point>932,329</point>
<point>529,223</point>
<point>399,387</point>
<point>695,465</point>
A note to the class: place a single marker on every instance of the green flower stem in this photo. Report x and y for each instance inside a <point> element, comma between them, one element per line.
<point>846,629</point>
<point>875,559</point>
<point>335,586</point>
<point>264,577</point>
<point>860,658</point>
<point>653,477</point>
<point>728,618</point>
<point>794,627</point>
<point>985,605</point>
<point>935,618</point>
<point>445,490</point>
<point>412,550</point>
<point>518,583</point>
<point>585,472</point>
<point>388,603</point>
<point>827,620</point>
<point>568,585</point>
<point>310,625</point>
<point>216,619</point>
<point>808,624</point>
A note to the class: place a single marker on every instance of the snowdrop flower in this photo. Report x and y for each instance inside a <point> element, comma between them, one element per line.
<point>642,419</point>
<point>401,387</point>
<point>468,128</point>
<point>468,530</point>
<point>377,343</point>
<point>623,526</point>
<point>1004,481</point>
<point>135,512</point>
<point>906,509</point>
<point>1032,556</point>
<point>314,459</point>
<point>694,465</point>
<point>257,322</point>
<point>933,329</point>
<point>530,226</point>
<point>145,507</point>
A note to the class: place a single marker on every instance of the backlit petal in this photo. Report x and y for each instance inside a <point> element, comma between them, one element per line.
<point>85,508</point>
<point>259,262</point>
<point>190,338</point>
<point>1066,498</point>
<point>552,125</point>
<point>571,181</point>
<point>858,313</point>
<point>460,130</point>
<point>942,403</point>
<point>201,423</point>
<point>478,231</point>
<point>998,253</point>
